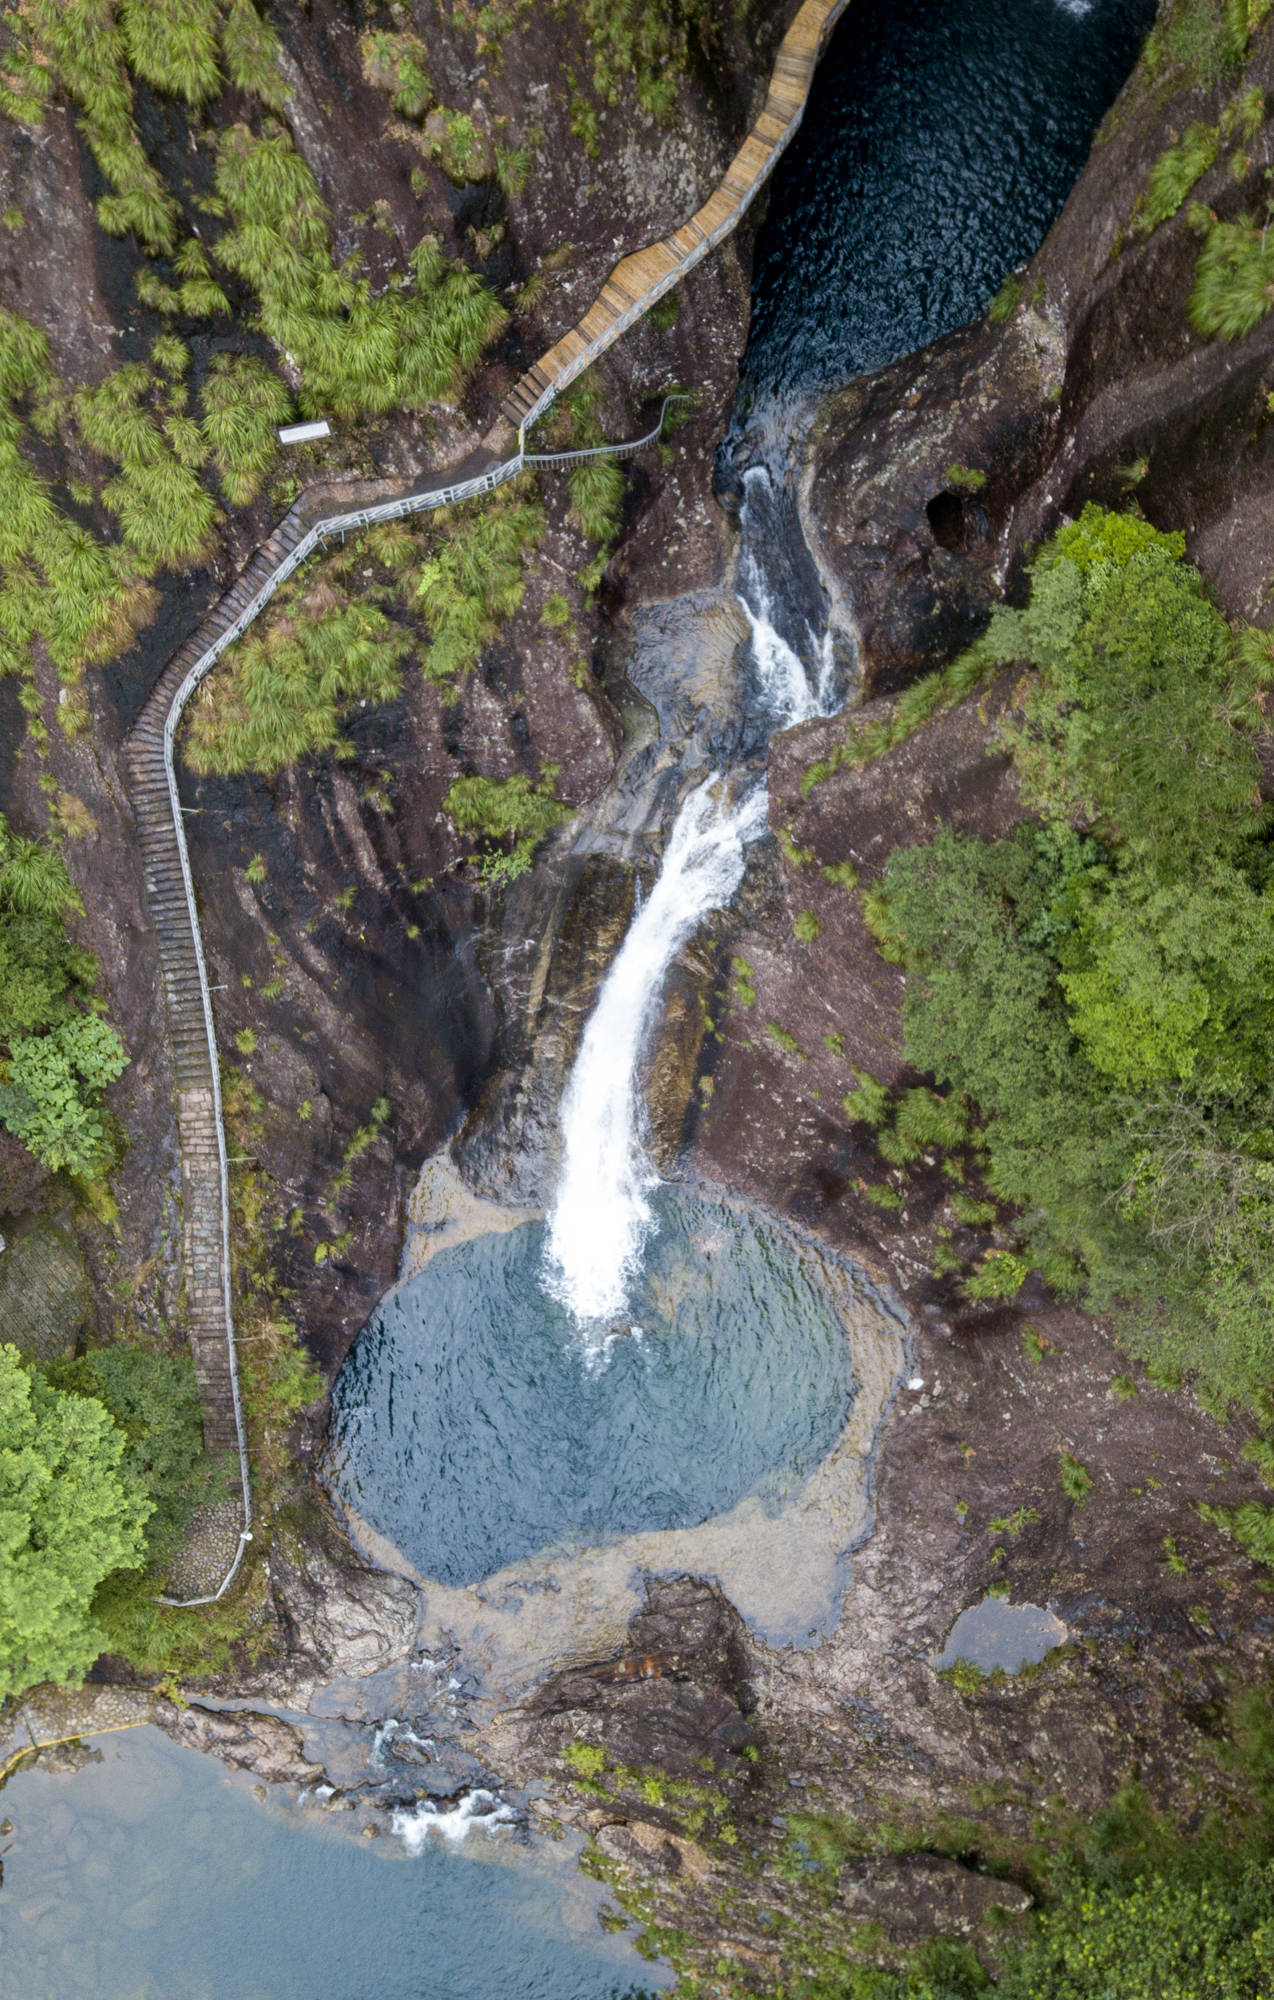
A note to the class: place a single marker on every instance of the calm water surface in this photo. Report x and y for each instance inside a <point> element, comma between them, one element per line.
<point>155,1875</point>
<point>941,140</point>
<point>474,1424</point>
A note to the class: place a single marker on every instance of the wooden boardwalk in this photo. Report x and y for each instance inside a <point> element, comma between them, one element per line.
<point>642,278</point>
<point>323,513</point>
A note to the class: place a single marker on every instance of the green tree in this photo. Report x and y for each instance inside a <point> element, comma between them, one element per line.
<point>1142,717</point>
<point>49,1099</point>
<point>69,1515</point>
<point>1108,1002</point>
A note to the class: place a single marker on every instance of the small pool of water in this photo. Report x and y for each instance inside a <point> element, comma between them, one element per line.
<point>154,1875</point>
<point>474,1425</point>
<point>996,1633</point>
<point>939,144</point>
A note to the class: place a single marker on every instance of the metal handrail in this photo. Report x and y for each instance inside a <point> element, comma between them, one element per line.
<point>326,530</point>
<point>608,450</point>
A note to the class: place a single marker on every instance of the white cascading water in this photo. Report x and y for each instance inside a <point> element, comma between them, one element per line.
<point>601,1215</point>
<point>782,680</point>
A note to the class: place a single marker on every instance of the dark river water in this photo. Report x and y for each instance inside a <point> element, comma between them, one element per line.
<point>941,141</point>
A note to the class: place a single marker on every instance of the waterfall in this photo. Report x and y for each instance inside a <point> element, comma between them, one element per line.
<point>782,680</point>
<point>601,1215</point>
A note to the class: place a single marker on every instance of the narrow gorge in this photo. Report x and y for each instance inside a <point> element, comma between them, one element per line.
<point>654,1246</point>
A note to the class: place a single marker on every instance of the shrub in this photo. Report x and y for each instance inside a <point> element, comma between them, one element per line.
<point>1076,1478</point>
<point>1156,1940</point>
<point>398,65</point>
<point>243,402</point>
<point>49,1100</point>
<point>1007,299</point>
<point>597,496</point>
<point>1234,279</point>
<point>1173,175</point>
<point>1142,718</point>
<point>173,45</point>
<point>920,1120</point>
<point>1000,1275</point>
<point>153,1399</point>
<point>70,1513</point>
<point>1105,1002</point>
<point>281,691</point>
<point>499,810</point>
<point>966,479</point>
<point>357,351</point>
<point>250,48</point>
<point>471,579</point>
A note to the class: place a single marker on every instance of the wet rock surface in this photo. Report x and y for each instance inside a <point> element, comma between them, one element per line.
<point>249,1740</point>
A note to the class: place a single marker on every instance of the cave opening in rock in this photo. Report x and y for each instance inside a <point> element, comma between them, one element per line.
<point>947,524</point>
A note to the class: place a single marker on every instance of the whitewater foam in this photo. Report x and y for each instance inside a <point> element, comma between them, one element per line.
<point>479,1811</point>
<point>601,1216</point>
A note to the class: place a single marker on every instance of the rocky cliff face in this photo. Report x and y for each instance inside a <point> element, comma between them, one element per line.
<point>1091,384</point>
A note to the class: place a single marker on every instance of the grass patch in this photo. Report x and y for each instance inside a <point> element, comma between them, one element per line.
<point>1076,1478</point>
<point>443,586</point>
<point>508,817</point>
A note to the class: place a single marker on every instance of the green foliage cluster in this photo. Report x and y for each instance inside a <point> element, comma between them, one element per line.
<point>398,64</point>
<point>966,478</point>
<point>180,47</point>
<point>645,44</point>
<point>443,584</point>
<point>243,404</point>
<point>1007,299</point>
<point>153,1399</point>
<point>358,350</point>
<point>596,485</point>
<point>1173,175</point>
<point>472,578</point>
<point>287,684</point>
<point>1234,279</point>
<point>143,450</point>
<point>57,1057</point>
<point>1233,287</point>
<point>499,810</point>
<point>1161,1937</point>
<point>101,1468</point>
<point>70,1514</point>
<point>1101,984</point>
<point>1205,38</point>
